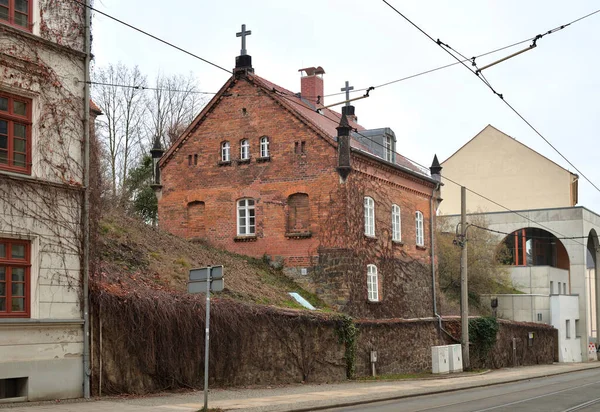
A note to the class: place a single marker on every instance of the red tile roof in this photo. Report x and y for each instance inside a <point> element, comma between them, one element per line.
<point>328,120</point>
<point>94,107</point>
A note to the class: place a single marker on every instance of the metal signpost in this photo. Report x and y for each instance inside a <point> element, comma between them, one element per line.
<point>205,280</point>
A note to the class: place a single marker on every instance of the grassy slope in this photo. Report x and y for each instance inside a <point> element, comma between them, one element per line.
<point>136,255</point>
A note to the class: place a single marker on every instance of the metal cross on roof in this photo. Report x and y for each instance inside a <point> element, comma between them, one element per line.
<point>347,90</point>
<point>243,35</point>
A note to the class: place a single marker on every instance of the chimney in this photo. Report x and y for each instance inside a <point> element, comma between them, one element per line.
<point>350,113</point>
<point>311,85</point>
<point>157,152</point>
<point>344,168</point>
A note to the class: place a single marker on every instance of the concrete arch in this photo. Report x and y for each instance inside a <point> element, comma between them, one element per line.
<point>534,246</point>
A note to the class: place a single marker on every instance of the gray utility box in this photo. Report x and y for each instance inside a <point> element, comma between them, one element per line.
<point>455,358</point>
<point>439,360</point>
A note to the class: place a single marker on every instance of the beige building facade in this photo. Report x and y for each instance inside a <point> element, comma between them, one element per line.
<point>501,168</point>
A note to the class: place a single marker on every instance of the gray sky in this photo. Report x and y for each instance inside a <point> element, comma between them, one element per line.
<point>555,86</point>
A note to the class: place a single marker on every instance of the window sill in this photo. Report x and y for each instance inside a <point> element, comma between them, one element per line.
<point>263,159</point>
<point>421,247</point>
<point>374,302</point>
<point>248,238</point>
<point>298,235</point>
<point>243,161</point>
<point>224,163</point>
<point>371,238</point>
<point>397,243</point>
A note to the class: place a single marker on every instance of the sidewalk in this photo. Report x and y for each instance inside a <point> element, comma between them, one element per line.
<point>302,397</point>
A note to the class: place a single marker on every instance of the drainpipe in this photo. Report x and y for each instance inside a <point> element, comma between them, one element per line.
<point>86,207</point>
<point>431,231</point>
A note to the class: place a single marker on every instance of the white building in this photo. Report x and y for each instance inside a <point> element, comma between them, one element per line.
<point>42,164</point>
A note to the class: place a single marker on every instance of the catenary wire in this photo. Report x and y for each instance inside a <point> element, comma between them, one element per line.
<point>151,35</point>
<point>128,86</point>
<point>499,94</point>
<point>336,121</point>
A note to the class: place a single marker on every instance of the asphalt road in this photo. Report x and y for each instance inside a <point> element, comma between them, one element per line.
<point>576,391</point>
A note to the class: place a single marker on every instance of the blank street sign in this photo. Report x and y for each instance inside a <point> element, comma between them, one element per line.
<point>200,286</point>
<point>202,273</point>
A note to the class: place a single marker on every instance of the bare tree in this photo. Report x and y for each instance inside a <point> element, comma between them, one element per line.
<point>174,103</point>
<point>121,130</point>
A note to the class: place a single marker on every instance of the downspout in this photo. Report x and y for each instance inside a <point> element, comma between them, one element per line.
<point>86,207</point>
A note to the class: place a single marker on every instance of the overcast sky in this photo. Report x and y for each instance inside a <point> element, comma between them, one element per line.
<point>555,86</point>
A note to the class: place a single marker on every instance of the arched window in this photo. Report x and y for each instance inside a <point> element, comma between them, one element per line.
<point>264,146</point>
<point>298,213</point>
<point>396,224</point>
<point>369,216</point>
<point>372,283</point>
<point>419,226</point>
<point>246,225</point>
<point>244,149</point>
<point>225,152</point>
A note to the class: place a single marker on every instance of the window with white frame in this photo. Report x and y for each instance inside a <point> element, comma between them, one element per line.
<point>264,146</point>
<point>372,283</point>
<point>246,220</point>
<point>419,232</point>
<point>244,149</point>
<point>396,224</point>
<point>369,216</point>
<point>225,150</point>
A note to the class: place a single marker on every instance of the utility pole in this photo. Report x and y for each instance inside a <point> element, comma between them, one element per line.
<point>464,289</point>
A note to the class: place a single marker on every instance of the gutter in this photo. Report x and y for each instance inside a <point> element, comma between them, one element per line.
<point>86,206</point>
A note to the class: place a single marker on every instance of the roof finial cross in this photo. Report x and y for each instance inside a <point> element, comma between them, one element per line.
<point>347,90</point>
<point>243,35</point>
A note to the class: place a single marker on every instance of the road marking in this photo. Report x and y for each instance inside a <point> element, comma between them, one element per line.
<point>583,405</point>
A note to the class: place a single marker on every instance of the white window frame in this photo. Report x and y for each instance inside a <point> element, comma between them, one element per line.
<point>264,146</point>
<point>245,214</point>
<point>420,235</point>
<point>372,283</point>
<point>369,205</point>
<point>244,149</point>
<point>225,152</point>
<point>396,224</point>
<point>387,144</point>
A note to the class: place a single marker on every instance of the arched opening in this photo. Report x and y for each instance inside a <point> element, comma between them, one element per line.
<point>298,219</point>
<point>196,227</point>
<point>535,247</point>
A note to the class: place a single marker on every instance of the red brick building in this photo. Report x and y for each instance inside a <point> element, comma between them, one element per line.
<point>266,172</point>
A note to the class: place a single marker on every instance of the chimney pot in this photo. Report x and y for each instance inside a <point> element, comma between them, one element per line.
<point>311,85</point>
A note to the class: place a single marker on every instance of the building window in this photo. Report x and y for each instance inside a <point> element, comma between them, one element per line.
<point>246,225</point>
<point>565,288</point>
<point>539,317</point>
<point>369,216</point>
<point>16,13</point>
<point>419,231</point>
<point>264,146</point>
<point>372,283</point>
<point>551,287</point>
<point>396,224</point>
<point>568,328</point>
<point>15,262</point>
<point>298,213</point>
<point>388,148</point>
<point>245,150</point>
<point>559,291</point>
<point>225,152</point>
<point>15,133</point>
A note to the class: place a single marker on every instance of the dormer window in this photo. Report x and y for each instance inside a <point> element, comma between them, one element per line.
<point>245,150</point>
<point>225,150</point>
<point>264,146</point>
<point>388,148</point>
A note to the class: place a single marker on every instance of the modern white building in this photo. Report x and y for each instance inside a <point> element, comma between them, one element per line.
<point>42,163</point>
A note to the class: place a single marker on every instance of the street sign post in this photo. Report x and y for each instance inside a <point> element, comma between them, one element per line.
<point>205,280</point>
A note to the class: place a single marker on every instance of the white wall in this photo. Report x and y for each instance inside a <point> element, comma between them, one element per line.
<point>565,308</point>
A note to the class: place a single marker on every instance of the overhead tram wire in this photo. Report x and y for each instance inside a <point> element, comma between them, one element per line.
<point>528,237</point>
<point>151,35</point>
<point>446,48</point>
<point>336,121</point>
<point>129,86</point>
